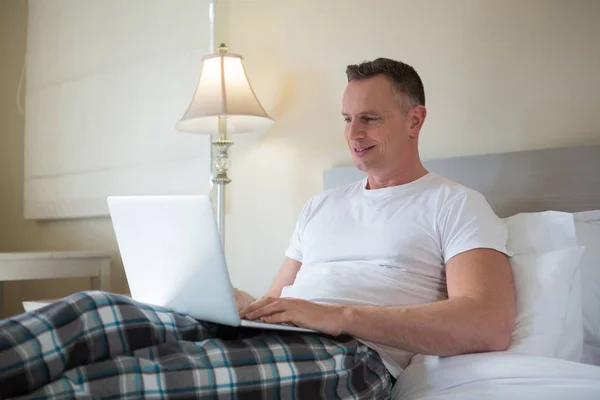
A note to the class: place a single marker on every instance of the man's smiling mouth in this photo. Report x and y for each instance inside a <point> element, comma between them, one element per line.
<point>362,150</point>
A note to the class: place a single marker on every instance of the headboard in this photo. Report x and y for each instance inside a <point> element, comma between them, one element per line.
<point>562,179</point>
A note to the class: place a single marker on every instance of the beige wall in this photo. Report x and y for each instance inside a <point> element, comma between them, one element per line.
<point>499,76</point>
<point>16,234</point>
<point>13,31</point>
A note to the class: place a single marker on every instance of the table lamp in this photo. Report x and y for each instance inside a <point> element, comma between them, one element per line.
<point>224,102</point>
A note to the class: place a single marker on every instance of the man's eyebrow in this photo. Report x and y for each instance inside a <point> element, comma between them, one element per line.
<point>368,112</point>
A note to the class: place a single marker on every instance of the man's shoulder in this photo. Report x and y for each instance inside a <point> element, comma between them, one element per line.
<point>453,188</point>
<point>449,191</point>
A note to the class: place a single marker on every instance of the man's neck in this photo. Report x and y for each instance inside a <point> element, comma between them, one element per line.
<point>396,178</point>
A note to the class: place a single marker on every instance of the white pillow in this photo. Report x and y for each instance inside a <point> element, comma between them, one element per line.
<point>540,232</point>
<point>588,235</point>
<point>534,233</point>
<point>543,284</point>
<point>592,216</point>
<point>570,343</point>
<point>591,354</point>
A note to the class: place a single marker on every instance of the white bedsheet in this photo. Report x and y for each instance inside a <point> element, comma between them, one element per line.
<point>497,376</point>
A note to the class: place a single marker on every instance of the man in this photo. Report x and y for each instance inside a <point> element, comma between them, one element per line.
<point>405,260</point>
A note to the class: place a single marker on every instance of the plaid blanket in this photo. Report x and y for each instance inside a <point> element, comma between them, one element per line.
<point>96,344</point>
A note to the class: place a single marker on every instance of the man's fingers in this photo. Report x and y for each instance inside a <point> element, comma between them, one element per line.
<point>256,305</point>
<point>285,316</point>
<point>270,308</point>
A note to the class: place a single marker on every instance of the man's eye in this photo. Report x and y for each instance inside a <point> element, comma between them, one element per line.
<point>347,120</point>
<point>369,119</point>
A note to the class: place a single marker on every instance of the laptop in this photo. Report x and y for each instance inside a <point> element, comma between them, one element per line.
<point>172,255</point>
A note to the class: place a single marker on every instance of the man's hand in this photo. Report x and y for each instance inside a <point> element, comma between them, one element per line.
<point>324,318</point>
<point>242,299</point>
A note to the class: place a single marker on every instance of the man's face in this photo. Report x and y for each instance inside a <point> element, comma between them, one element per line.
<point>377,131</point>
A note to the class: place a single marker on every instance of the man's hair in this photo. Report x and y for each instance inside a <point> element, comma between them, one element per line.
<point>405,79</point>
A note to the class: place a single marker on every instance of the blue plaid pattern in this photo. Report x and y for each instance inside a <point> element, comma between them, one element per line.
<point>96,344</point>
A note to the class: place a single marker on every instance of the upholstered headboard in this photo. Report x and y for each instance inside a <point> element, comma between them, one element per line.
<point>563,179</point>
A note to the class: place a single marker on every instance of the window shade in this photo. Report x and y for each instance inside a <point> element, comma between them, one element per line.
<point>106,83</point>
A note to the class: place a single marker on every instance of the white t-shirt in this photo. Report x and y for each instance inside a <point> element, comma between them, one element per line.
<point>388,246</point>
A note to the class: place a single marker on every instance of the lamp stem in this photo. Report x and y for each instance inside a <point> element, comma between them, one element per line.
<point>222,163</point>
<point>211,20</point>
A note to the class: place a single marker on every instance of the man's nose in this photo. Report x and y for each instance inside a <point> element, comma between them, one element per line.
<point>356,131</point>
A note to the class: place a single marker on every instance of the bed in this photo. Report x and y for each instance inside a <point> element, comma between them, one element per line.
<point>541,194</point>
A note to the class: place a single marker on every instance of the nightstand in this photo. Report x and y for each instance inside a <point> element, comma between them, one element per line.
<point>54,265</point>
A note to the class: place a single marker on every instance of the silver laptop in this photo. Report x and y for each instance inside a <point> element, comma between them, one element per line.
<point>172,254</point>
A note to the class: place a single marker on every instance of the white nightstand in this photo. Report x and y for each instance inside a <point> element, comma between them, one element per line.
<point>53,265</point>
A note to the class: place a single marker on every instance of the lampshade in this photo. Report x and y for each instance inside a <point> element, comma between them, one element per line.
<point>224,90</point>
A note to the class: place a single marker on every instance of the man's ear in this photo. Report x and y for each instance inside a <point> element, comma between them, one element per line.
<point>417,117</point>
<point>415,121</point>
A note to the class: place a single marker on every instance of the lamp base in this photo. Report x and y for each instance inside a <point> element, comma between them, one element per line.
<point>222,162</point>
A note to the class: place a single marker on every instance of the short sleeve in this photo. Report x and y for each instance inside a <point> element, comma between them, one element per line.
<point>468,222</point>
<point>294,250</point>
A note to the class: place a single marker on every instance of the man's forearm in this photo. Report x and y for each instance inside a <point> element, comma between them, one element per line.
<point>443,328</point>
<point>285,277</point>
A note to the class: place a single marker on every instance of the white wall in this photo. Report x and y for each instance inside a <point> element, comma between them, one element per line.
<point>499,76</point>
